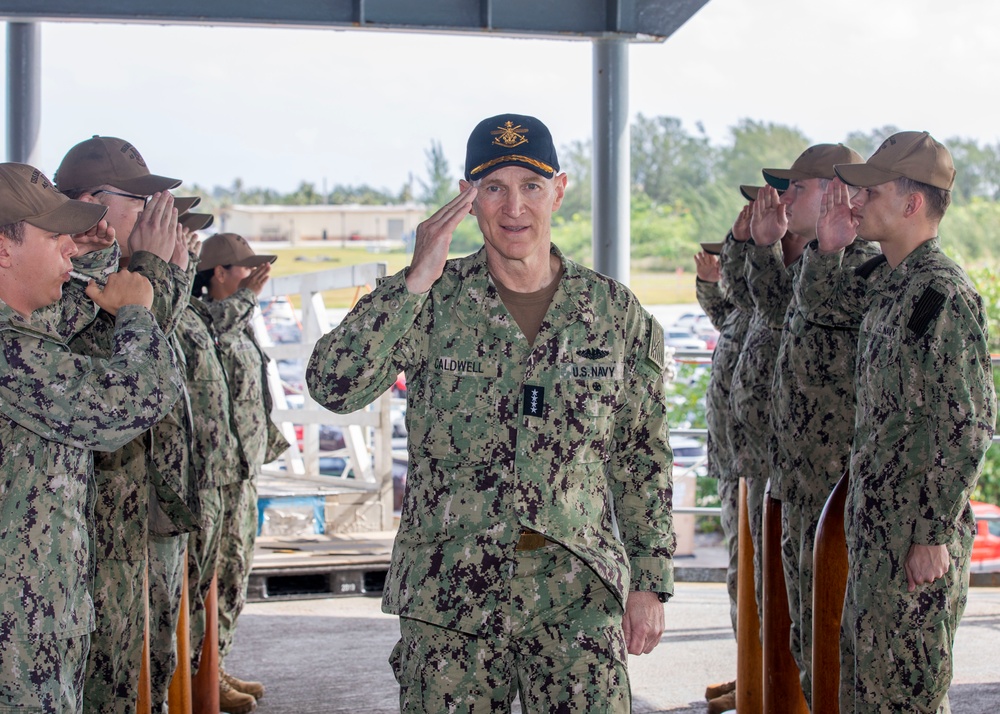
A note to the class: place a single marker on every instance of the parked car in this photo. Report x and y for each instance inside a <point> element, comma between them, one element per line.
<point>681,339</point>
<point>399,386</point>
<point>280,320</point>
<point>336,465</point>
<point>331,438</point>
<point>986,546</point>
<point>293,375</point>
<point>689,455</point>
<point>703,325</point>
<point>687,321</point>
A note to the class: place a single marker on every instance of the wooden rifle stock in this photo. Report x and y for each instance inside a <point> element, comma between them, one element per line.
<point>749,682</point>
<point>782,687</point>
<point>205,685</point>
<point>829,586</point>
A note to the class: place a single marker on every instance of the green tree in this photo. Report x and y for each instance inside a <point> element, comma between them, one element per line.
<point>440,187</point>
<point>575,159</point>
<point>968,232</point>
<point>304,195</point>
<point>865,142</point>
<point>667,162</point>
<point>364,195</point>
<point>987,282</point>
<point>976,170</point>
<point>258,196</point>
<point>665,234</point>
<point>755,146</point>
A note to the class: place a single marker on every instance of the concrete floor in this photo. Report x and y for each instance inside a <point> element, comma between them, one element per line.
<point>330,656</point>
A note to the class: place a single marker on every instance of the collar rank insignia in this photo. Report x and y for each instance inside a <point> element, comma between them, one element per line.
<point>593,353</point>
<point>508,136</point>
<point>533,400</point>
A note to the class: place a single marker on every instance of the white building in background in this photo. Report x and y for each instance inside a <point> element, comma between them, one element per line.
<point>305,224</point>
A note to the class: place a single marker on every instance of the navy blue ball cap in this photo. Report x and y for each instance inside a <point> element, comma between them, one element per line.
<point>510,139</point>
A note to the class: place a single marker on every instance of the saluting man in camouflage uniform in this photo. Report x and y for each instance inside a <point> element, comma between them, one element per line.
<point>110,171</point>
<point>173,453</point>
<point>926,412</point>
<point>230,279</point>
<point>217,463</point>
<point>56,407</point>
<point>536,417</point>
<point>750,392</point>
<point>724,295</point>
<point>812,409</point>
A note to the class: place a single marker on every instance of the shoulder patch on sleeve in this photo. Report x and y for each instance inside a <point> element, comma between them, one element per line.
<point>865,270</point>
<point>655,352</point>
<point>927,309</point>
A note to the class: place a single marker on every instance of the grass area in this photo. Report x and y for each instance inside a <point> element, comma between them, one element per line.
<point>651,288</point>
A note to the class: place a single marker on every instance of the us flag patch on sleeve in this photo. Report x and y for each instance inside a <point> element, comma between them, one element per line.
<point>655,353</point>
<point>927,309</point>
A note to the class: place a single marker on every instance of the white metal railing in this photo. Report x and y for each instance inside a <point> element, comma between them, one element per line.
<point>367,432</point>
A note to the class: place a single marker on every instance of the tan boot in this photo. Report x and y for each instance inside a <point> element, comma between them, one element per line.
<point>254,689</point>
<point>717,690</point>
<point>724,703</point>
<point>233,702</point>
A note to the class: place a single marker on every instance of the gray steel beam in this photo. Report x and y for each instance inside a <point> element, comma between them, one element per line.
<point>611,179</point>
<point>652,20</point>
<point>24,103</point>
<point>609,23</point>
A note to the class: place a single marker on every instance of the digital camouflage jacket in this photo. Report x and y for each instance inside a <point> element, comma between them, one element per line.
<point>246,369</point>
<point>926,403</point>
<point>121,514</point>
<point>55,407</point>
<point>813,402</point>
<point>730,307</point>
<point>503,436</point>
<point>217,458</point>
<point>750,393</point>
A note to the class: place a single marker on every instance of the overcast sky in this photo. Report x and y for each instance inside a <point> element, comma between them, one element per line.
<point>277,107</point>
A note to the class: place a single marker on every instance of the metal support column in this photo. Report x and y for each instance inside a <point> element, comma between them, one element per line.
<point>23,91</point>
<point>612,166</point>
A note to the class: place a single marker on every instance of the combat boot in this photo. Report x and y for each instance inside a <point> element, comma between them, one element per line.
<point>724,703</point>
<point>717,690</point>
<point>233,702</point>
<point>254,689</point>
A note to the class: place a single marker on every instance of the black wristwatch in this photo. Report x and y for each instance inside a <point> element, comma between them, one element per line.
<point>662,597</point>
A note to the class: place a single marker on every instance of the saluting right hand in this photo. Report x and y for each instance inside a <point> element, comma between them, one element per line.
<point>836,228</point>
<point>122,288</point>
<point>180,257</point>
<point>194,244</point>
<point>99,237</point>
<point>707,267</point>
<point>769,222</point>
<point>741,228</point>
<point>155,230</point>
<point>430,249</point>
<point>255,281</point>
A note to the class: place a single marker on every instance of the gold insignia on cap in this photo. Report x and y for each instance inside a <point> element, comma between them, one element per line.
<point>512,157</point>
<point>508,136</point>
<point>133,153</point>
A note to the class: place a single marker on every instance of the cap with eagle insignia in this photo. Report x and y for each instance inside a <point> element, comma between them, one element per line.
<point>510,140</point>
